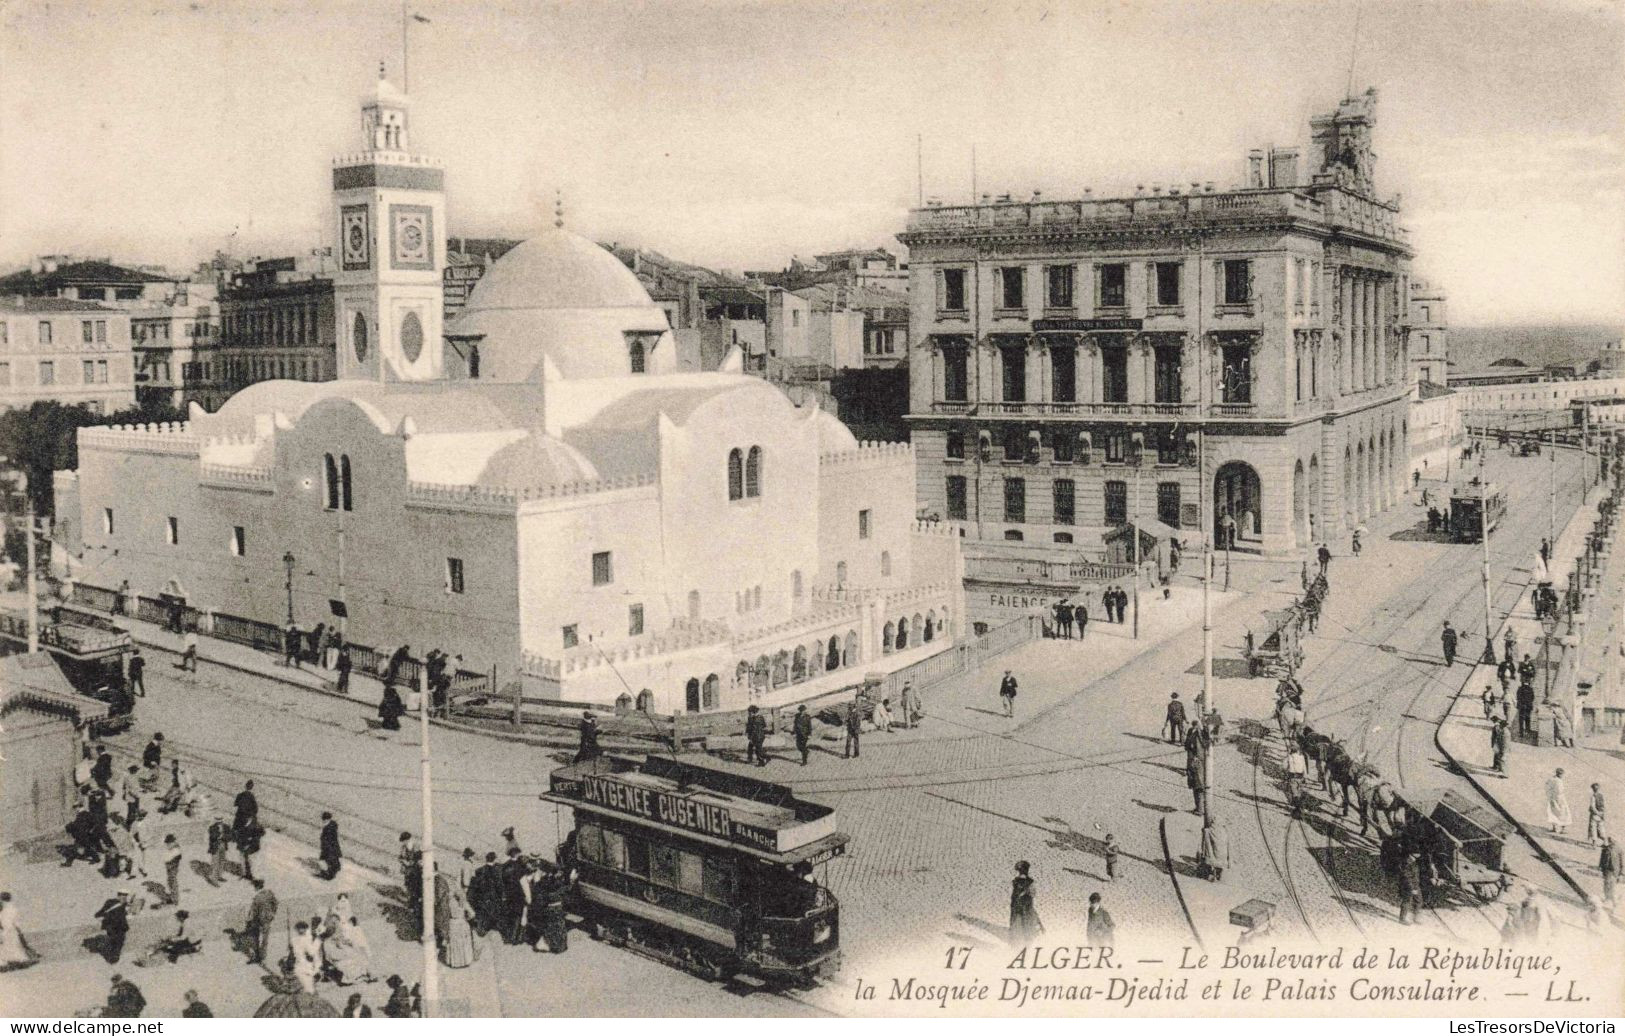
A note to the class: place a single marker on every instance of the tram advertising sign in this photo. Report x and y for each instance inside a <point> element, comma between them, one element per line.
<point>665,808</point>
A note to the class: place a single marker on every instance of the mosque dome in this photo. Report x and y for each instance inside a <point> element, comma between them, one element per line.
<point>561,299</point>
<point>558,270</point>
<point>536,460</point>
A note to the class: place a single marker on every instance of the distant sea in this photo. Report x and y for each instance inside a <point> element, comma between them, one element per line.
<point>1474,348</point>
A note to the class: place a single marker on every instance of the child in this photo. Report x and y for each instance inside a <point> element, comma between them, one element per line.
<point>1111,850</point>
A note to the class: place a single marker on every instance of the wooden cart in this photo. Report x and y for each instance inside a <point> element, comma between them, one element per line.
<point>1273,646</point>
<point>1463,842</point>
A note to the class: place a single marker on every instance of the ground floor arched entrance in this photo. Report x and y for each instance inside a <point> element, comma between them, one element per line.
<point>1238,503</point>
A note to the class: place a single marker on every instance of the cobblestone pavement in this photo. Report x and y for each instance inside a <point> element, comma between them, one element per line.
<point>938,815</point>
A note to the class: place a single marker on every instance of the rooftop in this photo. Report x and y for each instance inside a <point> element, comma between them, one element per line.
<point>89,271</point>
<point>50,304</point>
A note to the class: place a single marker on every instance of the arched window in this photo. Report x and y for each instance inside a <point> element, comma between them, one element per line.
<point>753,472</point>
<point>742,674</point>
<point>344,481</point>
<point>756,597</point>
<point>798,665</point>
<point>691,695</point>
<point>885,562</point>
<point>331,481</point>
<point>902,633</point>
<point>886,638</point>
<point>736,475</point>
<point>832,658</point>
<point>637,357</point>
<point>646,700</point>
<point>930,626</point>
<point>840,573</point>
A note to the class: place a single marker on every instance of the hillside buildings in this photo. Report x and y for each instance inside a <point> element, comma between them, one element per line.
<point>1182,356</point>
<point>68,350</point>
<point>536,487</point>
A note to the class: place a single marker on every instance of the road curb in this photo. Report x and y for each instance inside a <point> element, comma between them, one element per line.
<point>1534,843</point>
<point>516,737</point>
<point>1173,876</point>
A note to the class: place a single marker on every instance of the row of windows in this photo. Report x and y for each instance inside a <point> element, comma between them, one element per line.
<point>1064,493</point>
<point>744,473</point>
<point>289,325</point>
<point>661,863</point>
<point>1163,286</point>
<point>91,332</point>
<point>1167,372</point>
<point>160,330</point>
<point>1171,444</point>
<point>92,372</point>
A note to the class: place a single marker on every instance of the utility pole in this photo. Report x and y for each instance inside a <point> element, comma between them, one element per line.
<point>1551,504</point>
<point>1205,702</point>
<point>33,585</point>
<point>1134,529</point>
<point>1484,536</point>
<point>287,563</point>
<point>431,971</point>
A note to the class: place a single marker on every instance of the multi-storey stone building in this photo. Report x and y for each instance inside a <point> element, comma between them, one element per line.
<point>1427,334</point>
<point>1208,353</point>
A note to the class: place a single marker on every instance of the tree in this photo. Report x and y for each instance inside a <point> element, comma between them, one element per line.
<point>44,438</point>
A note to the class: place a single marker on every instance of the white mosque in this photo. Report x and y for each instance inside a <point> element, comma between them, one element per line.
<point>534,486</point>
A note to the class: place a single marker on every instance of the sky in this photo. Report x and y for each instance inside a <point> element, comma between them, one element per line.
<point>737,134</point>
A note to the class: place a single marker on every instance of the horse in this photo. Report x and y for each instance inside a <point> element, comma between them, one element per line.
<point>1378,800</point>
<point>1316,747</point>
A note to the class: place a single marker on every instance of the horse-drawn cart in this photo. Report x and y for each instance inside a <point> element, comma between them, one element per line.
<point>1463,842</point>
<point>1273,646</point>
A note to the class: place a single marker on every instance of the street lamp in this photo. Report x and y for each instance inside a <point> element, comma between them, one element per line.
<point>287,564</point>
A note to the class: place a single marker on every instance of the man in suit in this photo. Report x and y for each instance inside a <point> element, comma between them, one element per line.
<point>755,736</point>
<point>152,757</point>
<point>261,914</point>
<point>854,731</point>
<point>803,731</point>
<point>219,842</point>
<point>115,919</point>
<point>102,770</point>
<point>138,670</point>
<point>330,854</point>
<point>247,808</point>
<point>1007,693</point>
<point>1101,929</point>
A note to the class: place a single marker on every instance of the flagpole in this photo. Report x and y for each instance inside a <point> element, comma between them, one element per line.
<point>406,54</point>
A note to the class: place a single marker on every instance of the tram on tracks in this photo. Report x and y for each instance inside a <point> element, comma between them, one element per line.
<point>704,869</point>
<point>1475,508</point>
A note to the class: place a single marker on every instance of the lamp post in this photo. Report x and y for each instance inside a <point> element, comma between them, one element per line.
<point>287,564</point>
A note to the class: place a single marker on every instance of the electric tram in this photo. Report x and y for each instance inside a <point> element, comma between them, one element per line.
<point>708,870</point>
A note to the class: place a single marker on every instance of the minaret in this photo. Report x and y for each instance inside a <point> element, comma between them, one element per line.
<point>390,209</point>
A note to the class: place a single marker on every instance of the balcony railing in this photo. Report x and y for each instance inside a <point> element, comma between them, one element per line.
<point>1068,409</point>
<point>1233,409</point>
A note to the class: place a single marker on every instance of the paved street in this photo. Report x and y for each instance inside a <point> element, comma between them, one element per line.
<point>938,815</point>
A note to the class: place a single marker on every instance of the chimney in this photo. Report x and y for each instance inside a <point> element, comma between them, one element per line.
<point>1284,167</point>
<point>1255,168</point>
<point>1207,188</point>
<point>1156,189</point>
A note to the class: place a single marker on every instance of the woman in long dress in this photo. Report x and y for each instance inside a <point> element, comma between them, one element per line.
<point>14,949</point>
<point>349,953</point>
<point>457,949</point>
<point>1558,814</point>
<point>1024,923</point>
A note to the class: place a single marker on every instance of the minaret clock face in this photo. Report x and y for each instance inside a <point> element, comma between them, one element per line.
<point>356,238</point>
<point>411,236</point>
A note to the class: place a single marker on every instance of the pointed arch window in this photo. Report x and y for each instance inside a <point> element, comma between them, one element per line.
<point>753,472</point>
<point>736,475</point>
<point>638,364</point>
<point>344,481</point>
<point>331,481</point>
